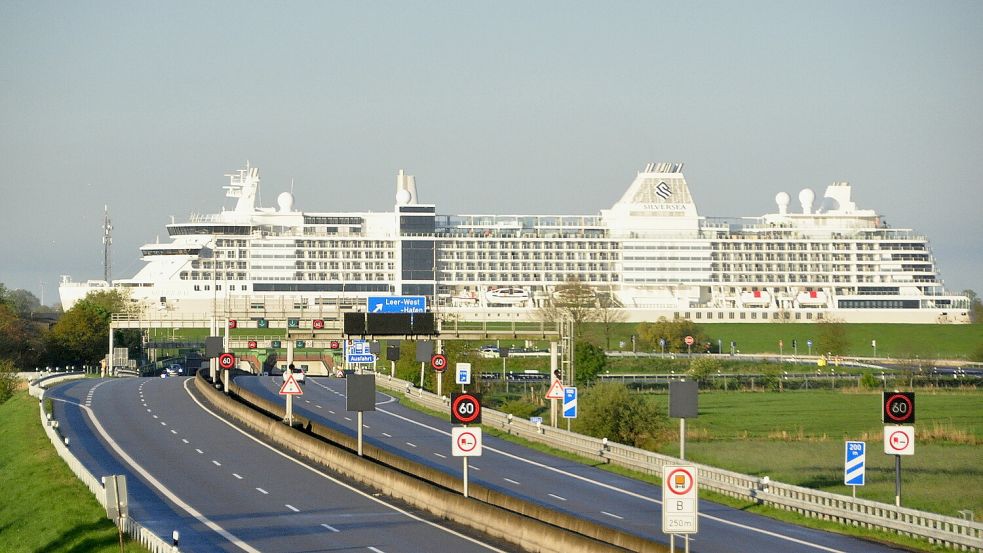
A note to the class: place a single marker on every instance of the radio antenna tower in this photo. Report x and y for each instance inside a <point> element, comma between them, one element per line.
<point>107,242</point>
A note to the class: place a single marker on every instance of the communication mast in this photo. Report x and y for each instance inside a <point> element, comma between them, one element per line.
<point>107,242</point>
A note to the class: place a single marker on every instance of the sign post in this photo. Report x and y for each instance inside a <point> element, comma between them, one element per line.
<point>569,404</point>
<point>683,398</point>
<point>290,388</point>
<point>439,363</point>
<point>554,393</point>
<point>360,397</point>
<point>689,345</point>
<point>898,441</point>
<point>853,465</point>
<point>465,442</point>
<point>680,506</point>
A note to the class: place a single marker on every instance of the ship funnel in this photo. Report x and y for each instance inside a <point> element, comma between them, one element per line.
<point>405,188</point>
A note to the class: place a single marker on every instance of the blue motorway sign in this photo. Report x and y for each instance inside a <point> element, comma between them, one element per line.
<point>397,304</point>
<point>359,351</point>
<point>853,468</point>
<point>569,402</point>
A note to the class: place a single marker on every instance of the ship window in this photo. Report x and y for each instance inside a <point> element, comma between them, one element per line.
<point>197,288</point>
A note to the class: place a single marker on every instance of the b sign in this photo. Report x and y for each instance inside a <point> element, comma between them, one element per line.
<point>680,509</point>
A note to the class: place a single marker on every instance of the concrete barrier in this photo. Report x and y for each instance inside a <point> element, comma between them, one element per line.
<point>531,526</point>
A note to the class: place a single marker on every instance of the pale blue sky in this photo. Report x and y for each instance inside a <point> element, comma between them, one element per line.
<point>495,107</point>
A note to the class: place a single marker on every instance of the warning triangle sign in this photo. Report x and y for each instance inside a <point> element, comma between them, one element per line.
<point>556,391</point>
<point>291,388</point>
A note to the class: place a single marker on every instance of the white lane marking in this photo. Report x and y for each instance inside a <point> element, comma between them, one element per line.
<point>557,497</point>
<point>348,418</point>
<point>387,435</point>
<point>162,423</point>
<point>185,440</point>
<point>512,481</point>
<point>160,487</point>
<point>149,411</point>
<point>156,417</point>
<point>366,426</point>
<point>199,451</point>
<point>262,491</point>
<point>338,482</point>
<point>237,476</point>
<point>411,444</point>
<point>217,464</point>
<point>318,406</point>
<point>473,467</point>
<point>292,508</point>
<point>332,528</point>
<point>173,431</point>
<point>332,412</point>
<point>621,490</point>
<point>376,549</point>
<point>441,455</point>
<point>612,515</point>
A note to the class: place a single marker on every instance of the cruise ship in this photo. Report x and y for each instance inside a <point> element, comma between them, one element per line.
<point>650,255</point>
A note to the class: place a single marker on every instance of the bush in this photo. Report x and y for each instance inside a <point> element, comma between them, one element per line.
<point>869,381</point>
<point>520,408</point>
<point>8,380</point>
<point>610,410</point>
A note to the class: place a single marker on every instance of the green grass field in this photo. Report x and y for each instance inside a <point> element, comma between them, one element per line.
<point>798,438</point>
<point>893,340</point>
<point>43,507</point>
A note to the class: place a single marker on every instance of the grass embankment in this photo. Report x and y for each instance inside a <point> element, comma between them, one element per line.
<point>43,507</point>
<point>899,341</point>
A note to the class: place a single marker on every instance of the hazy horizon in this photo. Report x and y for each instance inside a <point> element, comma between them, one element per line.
<point>498,108</point>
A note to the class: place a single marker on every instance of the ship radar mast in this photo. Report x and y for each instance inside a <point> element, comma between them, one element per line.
<point>243,184</point>
<point>107,242</point>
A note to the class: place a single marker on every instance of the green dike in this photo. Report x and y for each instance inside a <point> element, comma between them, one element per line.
<point>764,510</point>
<point>43,506</point>
<point>926,341</point>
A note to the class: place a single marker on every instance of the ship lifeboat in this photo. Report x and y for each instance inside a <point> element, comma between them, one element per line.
<point>811,298</point>
<point>465,297</point>
<point>756,298</point>
<point>507,296</point>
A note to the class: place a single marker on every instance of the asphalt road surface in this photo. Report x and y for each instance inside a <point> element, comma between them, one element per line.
<point>561,484</point>
<point>188,469</point>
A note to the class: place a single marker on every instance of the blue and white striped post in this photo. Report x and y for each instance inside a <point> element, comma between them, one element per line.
<point>854,465</point>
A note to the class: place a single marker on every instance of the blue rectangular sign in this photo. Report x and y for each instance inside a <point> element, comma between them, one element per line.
<point>397,304</point>
<point>853,469</point>
<point>569,402</point>
<point>359,351</point>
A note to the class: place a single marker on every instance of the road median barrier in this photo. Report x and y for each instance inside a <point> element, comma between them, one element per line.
<point>530,526</point>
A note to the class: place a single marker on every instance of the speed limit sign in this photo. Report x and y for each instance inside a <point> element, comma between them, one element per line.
<point>438,362</point>
<point>226,361</point>
<point>465,408</point>
<point>899,408</point>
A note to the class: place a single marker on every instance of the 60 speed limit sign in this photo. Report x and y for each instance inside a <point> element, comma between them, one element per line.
<point>899,408</point>
<point>465,408</point>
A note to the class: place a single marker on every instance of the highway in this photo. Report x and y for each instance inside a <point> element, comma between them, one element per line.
<point>188,469</point>
<point>585,491</point>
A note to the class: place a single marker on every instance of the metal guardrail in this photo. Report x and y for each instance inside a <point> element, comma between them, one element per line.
<point>937,529</point>
<point>132,528</point>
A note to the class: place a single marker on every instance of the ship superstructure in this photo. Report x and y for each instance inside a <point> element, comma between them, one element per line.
<point>651,254</point>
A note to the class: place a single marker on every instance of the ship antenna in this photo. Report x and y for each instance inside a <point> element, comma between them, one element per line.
<point>107,242</point>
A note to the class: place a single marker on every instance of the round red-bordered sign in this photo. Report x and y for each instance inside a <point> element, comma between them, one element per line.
<point>689,484</point>
<point>467,441</point>
<point>318,324</point>
<point>251,344</point>
<point>898,441</point>
<point>438,362</point>
<point>233,323</point>
<point>465,409</point>
<point>904,402</point>
<point>689,340</point>
<point>226,361</point>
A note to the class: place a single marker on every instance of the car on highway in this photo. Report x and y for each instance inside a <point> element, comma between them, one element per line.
<point>175,370</point>
<point>488,351</point>
<point>297,372</point>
